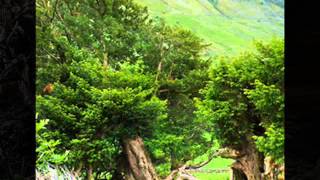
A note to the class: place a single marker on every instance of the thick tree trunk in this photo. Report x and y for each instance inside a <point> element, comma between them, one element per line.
<point>139,166</point>
<point>237,174</point>
<point>250,163</point>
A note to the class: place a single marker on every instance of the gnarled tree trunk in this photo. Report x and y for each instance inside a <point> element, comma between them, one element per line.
<point>250,163</point>
<point>137,164</point>
<point>237,175</point>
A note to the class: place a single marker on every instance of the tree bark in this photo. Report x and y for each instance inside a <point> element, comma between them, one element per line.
<point>139,165</point>
<point>237,174</point>
<point>250,163</point>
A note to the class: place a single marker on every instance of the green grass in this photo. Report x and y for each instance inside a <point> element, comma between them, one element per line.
<point>216,163</point>
<point>231,33</point>
<point>212,176</point>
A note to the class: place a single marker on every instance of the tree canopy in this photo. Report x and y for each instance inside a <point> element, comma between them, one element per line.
<point>244,101</point>
<point>117,74</point>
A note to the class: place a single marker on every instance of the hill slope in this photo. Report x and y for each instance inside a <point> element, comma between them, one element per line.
<point>229,25</point>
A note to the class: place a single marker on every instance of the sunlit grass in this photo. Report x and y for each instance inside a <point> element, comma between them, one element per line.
<point>217,163</point>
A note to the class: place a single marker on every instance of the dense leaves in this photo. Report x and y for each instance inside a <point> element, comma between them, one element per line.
<point>245,98</point>
<point>116,73</point>
<point>46,147</point>
<point>96,107</point>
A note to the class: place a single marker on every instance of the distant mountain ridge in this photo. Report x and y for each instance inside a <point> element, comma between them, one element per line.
<point>229,25</point>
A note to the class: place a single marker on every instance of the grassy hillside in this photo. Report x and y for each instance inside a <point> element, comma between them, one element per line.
<point>229,25</point>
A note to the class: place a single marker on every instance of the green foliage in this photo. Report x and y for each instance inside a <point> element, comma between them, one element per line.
<point>46,147</point>
<point>88,95</point>
<point>272,144</point>
<point>105,29</point>
<point>95,108</point>
<point>245,99</point>
<point>80,39</point>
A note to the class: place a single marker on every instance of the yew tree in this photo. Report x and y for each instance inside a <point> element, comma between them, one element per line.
<point>98,113</point>
<point>244,102</point>
<point>110,69</point>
